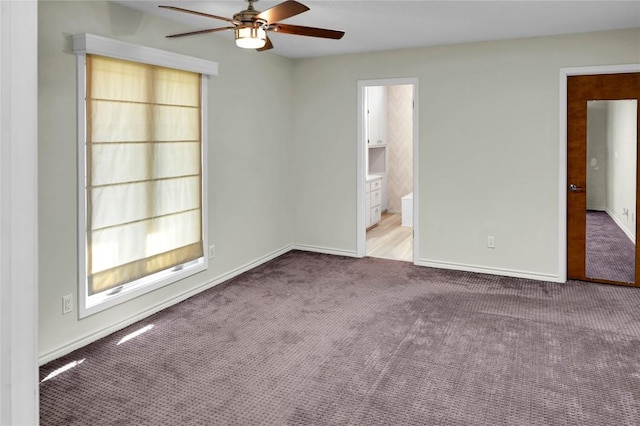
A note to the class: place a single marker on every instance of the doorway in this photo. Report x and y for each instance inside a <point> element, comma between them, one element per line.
<point>602,175</point>
<point>387,172</point>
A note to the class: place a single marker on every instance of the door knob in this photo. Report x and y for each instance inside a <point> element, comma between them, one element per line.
<point>575,188</point>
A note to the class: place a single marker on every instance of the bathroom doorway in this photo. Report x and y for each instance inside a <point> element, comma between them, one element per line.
<point>387,175</point>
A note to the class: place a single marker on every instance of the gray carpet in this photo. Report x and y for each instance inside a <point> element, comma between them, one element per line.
<point>312,339</point>
<point>610,253</point>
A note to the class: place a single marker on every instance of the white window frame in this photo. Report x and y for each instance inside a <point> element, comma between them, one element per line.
<point>84,44</point>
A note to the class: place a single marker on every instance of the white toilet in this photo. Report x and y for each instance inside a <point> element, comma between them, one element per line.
<point>407,210</point>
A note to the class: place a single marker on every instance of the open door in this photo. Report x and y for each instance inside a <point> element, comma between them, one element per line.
<point>583,94</point>
<point>388,159</point>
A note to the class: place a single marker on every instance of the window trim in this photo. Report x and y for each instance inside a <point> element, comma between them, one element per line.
<point>98,45</point>
<point>84,44</point>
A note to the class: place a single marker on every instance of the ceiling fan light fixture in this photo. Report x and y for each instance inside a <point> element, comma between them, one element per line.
<point>251,37</point>
<point>251,26</point>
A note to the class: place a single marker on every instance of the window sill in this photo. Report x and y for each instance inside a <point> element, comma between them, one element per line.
<point>89,305</point>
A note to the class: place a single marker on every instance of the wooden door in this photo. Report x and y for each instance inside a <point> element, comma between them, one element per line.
<point>581,90</point>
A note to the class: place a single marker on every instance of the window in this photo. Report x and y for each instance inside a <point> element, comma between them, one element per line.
<point>143,163</point>
<point>142,176</point>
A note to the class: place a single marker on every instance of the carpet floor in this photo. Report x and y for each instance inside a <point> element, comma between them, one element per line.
<point>313,339</point>
<point>610,253</point>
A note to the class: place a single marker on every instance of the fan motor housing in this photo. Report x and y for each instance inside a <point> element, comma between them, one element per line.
<point>248,16</point>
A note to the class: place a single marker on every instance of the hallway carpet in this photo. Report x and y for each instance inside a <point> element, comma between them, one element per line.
<point>610,253</point>
<point>313,339</point>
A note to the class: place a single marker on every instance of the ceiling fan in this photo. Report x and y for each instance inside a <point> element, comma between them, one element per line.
<point>251,26</point>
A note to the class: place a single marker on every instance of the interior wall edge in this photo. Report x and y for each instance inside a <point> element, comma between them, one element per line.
<point>19,390</point>
<point>620,225</point>
<point>205,285</point>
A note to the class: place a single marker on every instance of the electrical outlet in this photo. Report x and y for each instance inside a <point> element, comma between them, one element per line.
<point>67,303</point>
<point>212,251</point>
<point>491,241</point>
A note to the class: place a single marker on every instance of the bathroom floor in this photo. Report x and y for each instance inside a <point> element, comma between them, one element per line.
<point>390,240</point>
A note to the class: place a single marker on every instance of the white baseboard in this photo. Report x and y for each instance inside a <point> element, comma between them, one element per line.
<point>325,250</point>
<point>90,338</point>
<point>489,270</point>
<point>624,229</point>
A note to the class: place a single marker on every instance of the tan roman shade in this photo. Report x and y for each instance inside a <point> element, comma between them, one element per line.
<point>144,171</point>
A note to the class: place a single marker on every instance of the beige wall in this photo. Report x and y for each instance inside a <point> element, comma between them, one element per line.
<point>249,147</point>
<point>489,146</point>
<point>622,135</point>
<point>400,148</point>
<point>596,156</point>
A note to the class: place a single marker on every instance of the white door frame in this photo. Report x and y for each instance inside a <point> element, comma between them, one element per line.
<point>18,213</point>
<point>361,148</point>
<point>565,73</point>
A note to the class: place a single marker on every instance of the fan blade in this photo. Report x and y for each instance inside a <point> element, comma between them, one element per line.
<point>308,31</point>
<point>267,46</point>
<point>212,30</point>
<point>206,15</point>
<point>282,11</point>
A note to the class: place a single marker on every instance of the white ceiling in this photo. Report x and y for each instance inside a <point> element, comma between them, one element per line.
<point>382,25</point>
